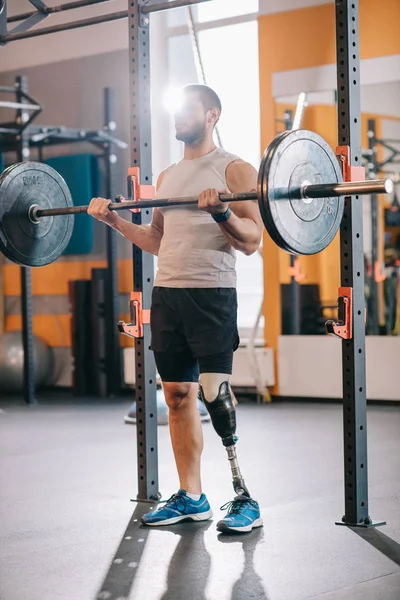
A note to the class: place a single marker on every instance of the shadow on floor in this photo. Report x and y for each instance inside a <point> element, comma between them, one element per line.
<point>381,542</point>
<point>190,564</point>
<point>249,583</point>
<point>189,567</point>
<point>124,566</point>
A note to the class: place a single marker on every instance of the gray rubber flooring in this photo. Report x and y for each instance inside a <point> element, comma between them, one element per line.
<point>69,531</point>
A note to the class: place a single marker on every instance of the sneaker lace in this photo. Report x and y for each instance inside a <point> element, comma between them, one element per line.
<point>235,507</point>
<point>174,500</point>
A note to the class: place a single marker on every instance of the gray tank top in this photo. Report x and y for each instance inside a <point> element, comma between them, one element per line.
<point>193,251</point>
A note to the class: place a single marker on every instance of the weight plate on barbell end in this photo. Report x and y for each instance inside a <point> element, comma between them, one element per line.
<point>299,226</point>
<point>25,242</point>
<point>265,214</point>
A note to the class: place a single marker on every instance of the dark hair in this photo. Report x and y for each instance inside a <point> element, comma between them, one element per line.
<point>208,97</point>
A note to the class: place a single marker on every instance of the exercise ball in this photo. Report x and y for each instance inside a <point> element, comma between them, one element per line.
<point>12,363</point>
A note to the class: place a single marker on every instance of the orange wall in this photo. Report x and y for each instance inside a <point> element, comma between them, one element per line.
<point>55,329</point>
<point>53,279</point>
<point>312,31</point>
<point>312,35</point>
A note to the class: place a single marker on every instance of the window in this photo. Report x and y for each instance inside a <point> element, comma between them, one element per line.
<point>239,126</point>
<point>235,79</point>
<point>224,9</point>
<point>212,11</point>
<point>234,74</point>
<point>182,70</point>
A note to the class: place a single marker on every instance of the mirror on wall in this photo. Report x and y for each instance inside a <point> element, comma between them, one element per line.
<point>380,131</point>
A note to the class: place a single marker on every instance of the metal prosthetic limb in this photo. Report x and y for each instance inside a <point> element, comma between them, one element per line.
<point>223,417</point>
<point>238,482</point>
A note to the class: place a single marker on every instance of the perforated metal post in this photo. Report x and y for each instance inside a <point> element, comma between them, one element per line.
<point>143,263</point>
<point>25,272</point>
<point>295,310</point>
<point>114,363</point>
<point>373,304</point>
<point>352,271</point>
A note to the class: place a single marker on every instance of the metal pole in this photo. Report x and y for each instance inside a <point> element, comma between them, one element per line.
<point>16,105</point>
<point>23,35</point>
<point>288,119</point>
<point>352,272</point>
<point>3,22</point>
<point>49,10</point>
<point>300,108</point>
<point>373,304</point>
<point>25,272</point>
<point>295,307</point>
<point>295,312</point>
<point>143,263</point>
<point>352,188</point>
<point>155,203</point>
<point>114,363</point>
<point>309,191</point>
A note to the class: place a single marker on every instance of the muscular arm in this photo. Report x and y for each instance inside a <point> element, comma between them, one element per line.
<point>146,237</point>
<point>243,229</point>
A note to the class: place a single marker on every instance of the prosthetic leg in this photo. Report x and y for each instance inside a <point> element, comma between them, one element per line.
<point>223,416</point>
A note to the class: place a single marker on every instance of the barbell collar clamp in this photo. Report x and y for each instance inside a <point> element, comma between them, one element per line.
<point>32,214</point>
<point>303,194</point>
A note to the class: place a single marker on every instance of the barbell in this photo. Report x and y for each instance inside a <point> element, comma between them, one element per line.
<point>300,193</point>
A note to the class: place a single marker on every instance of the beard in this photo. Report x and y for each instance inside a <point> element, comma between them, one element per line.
<point>193,136</point>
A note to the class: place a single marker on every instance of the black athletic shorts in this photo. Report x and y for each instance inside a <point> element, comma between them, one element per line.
<point>193,330</point>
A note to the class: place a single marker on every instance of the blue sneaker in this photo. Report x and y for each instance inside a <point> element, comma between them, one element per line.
<point>179,508</point>
<point>243,514</point>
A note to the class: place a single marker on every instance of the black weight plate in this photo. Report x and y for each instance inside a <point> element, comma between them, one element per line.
<point>262,202</point>
<point>299,226</point>
<point>22,241</point>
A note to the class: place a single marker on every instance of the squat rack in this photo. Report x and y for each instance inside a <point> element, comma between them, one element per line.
<point>351,239</point>
<point>352,271</point>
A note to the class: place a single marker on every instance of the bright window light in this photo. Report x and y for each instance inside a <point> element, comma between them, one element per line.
<point>213,11</point>
<point>173,99</point>
<point>224,9</point>
<point>239,126</point>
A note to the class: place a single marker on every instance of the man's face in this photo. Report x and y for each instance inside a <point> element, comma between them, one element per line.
<point>190,120</point>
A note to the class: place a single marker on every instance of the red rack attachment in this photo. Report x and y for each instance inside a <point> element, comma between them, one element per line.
<point>139,317</point>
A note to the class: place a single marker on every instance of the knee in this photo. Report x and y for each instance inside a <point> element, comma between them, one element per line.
<point>176,395</point>
<point>222,412</point>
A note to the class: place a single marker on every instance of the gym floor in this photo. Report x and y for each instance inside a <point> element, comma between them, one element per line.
<point>69,530</point>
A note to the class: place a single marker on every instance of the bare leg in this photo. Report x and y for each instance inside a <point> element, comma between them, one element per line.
<point>186,433</point>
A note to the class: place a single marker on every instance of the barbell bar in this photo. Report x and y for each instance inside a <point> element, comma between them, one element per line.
<point>300,210</point>
<point>306,191</point>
